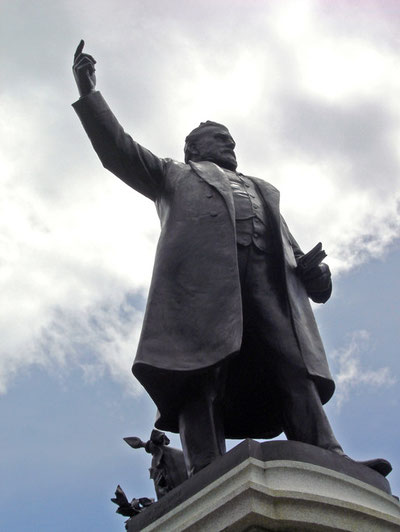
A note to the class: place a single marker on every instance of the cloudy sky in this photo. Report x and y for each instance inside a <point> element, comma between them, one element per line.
<point>310,90</point>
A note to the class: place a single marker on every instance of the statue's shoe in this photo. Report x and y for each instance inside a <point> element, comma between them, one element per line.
<point>380,465</point>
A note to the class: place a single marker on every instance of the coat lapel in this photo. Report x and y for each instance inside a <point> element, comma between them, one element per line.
<point>216,177</point>
<point>270,195</point>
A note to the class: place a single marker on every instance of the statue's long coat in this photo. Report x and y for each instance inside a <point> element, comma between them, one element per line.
<point>193,318</point>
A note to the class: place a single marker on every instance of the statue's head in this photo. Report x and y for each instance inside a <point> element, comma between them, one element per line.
<point>211,142</point>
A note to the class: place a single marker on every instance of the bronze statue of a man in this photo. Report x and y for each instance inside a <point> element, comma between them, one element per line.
<point>229,346</point>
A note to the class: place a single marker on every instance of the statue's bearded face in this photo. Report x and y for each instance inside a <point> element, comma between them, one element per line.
<point>215,144</point>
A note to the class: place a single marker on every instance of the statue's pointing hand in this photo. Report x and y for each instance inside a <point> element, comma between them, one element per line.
<point>84,71</point>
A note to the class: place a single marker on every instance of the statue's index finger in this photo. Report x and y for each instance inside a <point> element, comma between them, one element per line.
<point>79,49</point>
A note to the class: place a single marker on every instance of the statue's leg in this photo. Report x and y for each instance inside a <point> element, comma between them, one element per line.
<point>303,415</point>
<point>267,319</point>
<point>200,422</point>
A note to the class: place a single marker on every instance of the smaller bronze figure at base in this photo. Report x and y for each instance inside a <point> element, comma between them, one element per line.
<point>167,466</point>
<point>168,470</point>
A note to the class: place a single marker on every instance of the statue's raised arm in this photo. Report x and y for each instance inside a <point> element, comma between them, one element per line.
<point>118,152</point>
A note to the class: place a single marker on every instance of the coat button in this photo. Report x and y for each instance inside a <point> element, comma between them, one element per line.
<point>209,195</point>
<point>213,213</point>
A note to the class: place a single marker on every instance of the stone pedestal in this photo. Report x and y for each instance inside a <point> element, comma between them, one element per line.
<point>271,486</point>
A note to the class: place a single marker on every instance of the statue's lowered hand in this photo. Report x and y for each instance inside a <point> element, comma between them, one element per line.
<point>315,274</point>
<point>84,71</point>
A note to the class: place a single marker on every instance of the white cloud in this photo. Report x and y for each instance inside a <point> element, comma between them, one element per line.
<point>351,375</point>
<point>99,340</point>
<point>352,225</point>
<point>73,242</point>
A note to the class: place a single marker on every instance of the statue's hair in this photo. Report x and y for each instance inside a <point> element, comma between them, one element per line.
<point>195,133</point>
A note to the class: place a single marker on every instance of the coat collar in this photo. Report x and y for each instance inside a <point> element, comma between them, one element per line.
<point>216,177</point>
<point>270,195</point>
<point>213,174</point>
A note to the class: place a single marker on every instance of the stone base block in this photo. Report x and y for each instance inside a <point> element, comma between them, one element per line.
<point>248,491</point>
